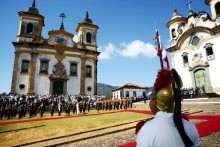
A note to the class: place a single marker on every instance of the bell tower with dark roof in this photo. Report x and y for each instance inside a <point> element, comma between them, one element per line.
<point>31,23</point>
<point>87,33</point>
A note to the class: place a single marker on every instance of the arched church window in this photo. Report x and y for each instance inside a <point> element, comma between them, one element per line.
<point>29,28</point>
<point>88,37</point>
<point>44,67</point>
<point>209,51</point>
<point>24,66</point>
<point>195,41</point>
<point>88,71</point>
<point>217,8</point>
<point>73,69</point>
<point>173,33</point>
<point>185,59</point>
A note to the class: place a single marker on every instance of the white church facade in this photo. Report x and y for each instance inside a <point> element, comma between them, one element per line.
<point>195,47</point>
<point>54,65</point>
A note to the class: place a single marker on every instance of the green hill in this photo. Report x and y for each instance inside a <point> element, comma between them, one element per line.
<point>104,89</point>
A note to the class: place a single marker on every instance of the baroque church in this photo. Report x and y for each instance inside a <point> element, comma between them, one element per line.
<point>54,65</point>
<point>195,47</point>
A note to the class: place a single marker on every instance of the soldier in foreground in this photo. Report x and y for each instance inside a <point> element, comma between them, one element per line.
<point>168,128</point>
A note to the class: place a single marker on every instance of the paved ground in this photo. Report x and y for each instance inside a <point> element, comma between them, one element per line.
<point>210,107</point>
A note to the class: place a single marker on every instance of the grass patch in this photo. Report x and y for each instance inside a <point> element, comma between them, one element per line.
<point>15,134</point>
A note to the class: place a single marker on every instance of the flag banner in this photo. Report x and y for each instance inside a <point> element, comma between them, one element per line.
<point>157,43</point>
<point>161,52</point>
<point>164,57</point>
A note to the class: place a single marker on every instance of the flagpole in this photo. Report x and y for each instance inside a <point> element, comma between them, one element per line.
<point>160,56</point>
<point>159,48</point>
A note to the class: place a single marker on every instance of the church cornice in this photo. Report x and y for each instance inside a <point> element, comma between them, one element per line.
<point>203,65</point>
<point>179,19</point>
<point>23,14</point>
<point>185,35</point>
<point>86,25</point>
<point>59,32</point>
<point>53,49</point>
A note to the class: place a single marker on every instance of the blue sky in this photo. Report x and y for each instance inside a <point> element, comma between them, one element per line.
<point>125,35</point>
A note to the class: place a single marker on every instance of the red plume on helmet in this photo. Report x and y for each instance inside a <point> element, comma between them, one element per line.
<point>163,79</point>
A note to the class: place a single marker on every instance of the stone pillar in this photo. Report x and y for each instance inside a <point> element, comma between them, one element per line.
<point>31,73</point>
<point>95,76</point>
<point>15,71</point>
<point>83,74</point>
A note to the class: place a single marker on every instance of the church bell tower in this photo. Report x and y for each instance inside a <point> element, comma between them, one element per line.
<point>31,23</point>
<point>29,35</point>
<point>87,33</point>
<point>215,7</point>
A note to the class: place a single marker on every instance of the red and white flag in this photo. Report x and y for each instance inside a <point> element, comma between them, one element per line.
<point>157,43</point>
<point>164,57</point>
<point>160,50</point>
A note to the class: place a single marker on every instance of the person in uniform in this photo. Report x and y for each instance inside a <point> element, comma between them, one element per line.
<point>121,103</point>
<point>1,107</point>
<point>81,106</point>
<point>52,107</point>
<point>89,103</point>
<point>74,102</point>
<point>31,108</point>
<point>59,105</point>
<point>168,128</point>
<point>97,105</point>
<point>84,106</point>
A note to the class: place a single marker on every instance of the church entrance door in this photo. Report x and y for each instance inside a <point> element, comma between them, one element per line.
<point>58,87</point>
<point>200,79</point>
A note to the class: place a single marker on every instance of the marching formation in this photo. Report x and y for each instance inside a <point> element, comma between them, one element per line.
<point>22,105</point>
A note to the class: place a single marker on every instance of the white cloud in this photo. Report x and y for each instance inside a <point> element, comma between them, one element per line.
<point>109,51</point>
<point>130,50</point>
<point>137,48</point>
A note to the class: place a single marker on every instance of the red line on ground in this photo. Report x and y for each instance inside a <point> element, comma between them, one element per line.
<point>53,118</point>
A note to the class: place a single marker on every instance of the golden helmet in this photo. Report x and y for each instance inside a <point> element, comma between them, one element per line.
<point>164,94</point>
<point>165,100</point>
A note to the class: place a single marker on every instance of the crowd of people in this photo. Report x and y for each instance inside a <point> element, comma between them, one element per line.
<point>12,105</point>
<point>190,92</point>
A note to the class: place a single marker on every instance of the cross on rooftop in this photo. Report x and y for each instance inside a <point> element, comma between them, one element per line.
<point>188,4</point>
<point>63,16</point>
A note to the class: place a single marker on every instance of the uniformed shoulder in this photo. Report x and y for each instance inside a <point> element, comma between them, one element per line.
<point>140,124</point>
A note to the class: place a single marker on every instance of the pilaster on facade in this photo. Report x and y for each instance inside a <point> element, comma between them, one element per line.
<point>31,73</point>
<point>15,71</point>
<point>83,73</point>
<point>95,75</point>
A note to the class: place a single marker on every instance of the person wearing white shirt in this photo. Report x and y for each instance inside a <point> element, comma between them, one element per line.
<point>168,128</point>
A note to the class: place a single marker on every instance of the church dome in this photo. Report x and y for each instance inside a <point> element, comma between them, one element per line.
<point>176,18</point>
<point>87,19</point>
<point>176,14</point>
<point>33,9</point>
